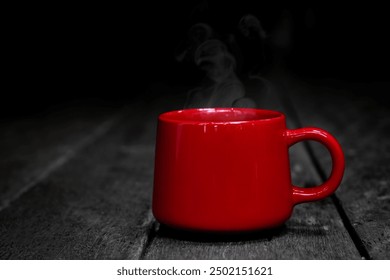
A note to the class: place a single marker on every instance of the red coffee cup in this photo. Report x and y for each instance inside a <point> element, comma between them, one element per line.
<point>227,169</point>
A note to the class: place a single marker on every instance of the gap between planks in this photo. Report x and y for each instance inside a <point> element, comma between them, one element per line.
<point>150,225</point>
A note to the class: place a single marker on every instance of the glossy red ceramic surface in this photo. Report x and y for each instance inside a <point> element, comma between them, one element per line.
<point>227,169</point>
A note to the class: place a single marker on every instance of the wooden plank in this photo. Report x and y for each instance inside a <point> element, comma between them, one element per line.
<point>309,234</point>
<point>31,148</point>
<point>315,231</point>
<point>96,206</point>
<point>359,117</point>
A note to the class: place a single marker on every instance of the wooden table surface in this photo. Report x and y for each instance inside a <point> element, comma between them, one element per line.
<point>77,184</point>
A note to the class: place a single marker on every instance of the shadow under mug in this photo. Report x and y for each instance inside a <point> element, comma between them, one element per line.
<point>227,169</point>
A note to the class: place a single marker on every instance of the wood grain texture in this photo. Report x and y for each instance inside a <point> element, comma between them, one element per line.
<point>96,206</point>
<point>31,148</point>
<point>359,117</point>
<point>315,230</point>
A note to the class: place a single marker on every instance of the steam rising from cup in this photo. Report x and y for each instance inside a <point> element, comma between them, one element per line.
<point>222,88</point>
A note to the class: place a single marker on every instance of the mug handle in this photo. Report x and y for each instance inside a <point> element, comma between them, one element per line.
<point>301,195</point>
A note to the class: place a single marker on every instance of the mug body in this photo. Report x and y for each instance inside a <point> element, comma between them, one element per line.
<point>222,169</point>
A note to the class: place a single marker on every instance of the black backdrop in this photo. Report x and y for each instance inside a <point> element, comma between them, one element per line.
<point>109,54</point>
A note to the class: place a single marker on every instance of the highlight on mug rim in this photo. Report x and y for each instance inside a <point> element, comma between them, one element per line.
<point>220,116</point>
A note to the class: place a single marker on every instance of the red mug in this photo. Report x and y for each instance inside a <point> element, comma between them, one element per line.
<point>227,169</point>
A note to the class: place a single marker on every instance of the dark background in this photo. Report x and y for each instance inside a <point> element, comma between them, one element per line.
<point>67,53</point>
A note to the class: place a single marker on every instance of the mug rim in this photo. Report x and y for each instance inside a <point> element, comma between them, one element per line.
<point>258,115</point>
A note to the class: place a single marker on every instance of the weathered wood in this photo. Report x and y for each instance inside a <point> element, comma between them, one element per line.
<point>31,148</point>
<point>315,231</point>
<point>96,206</point>
<point>359,117</point>
<point>311,233</point>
